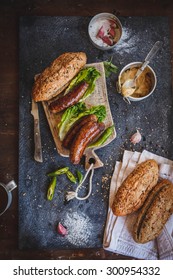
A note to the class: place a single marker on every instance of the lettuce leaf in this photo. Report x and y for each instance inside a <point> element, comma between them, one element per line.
<point>69,113</point>
<point>74,113</point>
<point>109,68</point>
<point>89,75</point>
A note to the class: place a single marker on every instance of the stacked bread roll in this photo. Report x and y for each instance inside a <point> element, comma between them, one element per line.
<point>152,196</point>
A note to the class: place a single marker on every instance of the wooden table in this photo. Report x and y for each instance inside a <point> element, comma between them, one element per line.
<point>10,11</point>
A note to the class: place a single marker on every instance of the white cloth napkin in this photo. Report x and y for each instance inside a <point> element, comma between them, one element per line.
<point>117,235</point>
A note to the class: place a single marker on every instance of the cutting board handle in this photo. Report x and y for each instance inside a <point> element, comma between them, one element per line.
<point>91,157</point>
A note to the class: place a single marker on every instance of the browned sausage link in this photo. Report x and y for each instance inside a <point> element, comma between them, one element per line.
<point>69,99</point>
<point>86,134</point>
<point>66,143</point>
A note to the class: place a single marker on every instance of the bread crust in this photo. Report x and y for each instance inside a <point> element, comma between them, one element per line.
<point>135,188</point>
<point>55,78</point>
<point>155,212</point>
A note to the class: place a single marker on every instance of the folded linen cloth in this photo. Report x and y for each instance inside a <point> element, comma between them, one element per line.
<point>117,235</point>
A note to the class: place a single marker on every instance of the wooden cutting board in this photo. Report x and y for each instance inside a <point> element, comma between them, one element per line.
<point>98,97</point>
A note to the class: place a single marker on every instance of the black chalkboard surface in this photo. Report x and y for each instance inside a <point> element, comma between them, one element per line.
<point>41,40</point>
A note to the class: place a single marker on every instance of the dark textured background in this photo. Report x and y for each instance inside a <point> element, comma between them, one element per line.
<point>42,39</point>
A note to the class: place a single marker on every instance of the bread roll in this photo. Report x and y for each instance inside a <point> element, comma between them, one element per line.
<point>155,212</point>
<point>135,188</point>
<point>55,78</point>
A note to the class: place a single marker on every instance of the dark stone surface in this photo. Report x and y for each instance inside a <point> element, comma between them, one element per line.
<point>42,39</point>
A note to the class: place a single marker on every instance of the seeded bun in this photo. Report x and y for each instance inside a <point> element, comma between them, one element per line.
<point>135,188</point>
<point>154,213</point>
<point>55,78</point>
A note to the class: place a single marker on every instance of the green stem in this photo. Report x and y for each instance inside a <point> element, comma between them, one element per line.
<point>58,172</point>
<point>51,188</point>
<point>70,176</point>
<point>103,138</point>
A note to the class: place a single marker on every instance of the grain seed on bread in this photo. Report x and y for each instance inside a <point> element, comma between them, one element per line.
<point>135,188</point>
<point>55,78</point>
<point>154,213</point>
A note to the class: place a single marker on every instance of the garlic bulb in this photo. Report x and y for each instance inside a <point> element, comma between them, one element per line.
<point>136,137</point>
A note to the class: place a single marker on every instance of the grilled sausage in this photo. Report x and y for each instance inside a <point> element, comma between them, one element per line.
<point>69,99</point>
<point>66,143</point>
<point>86,134</point>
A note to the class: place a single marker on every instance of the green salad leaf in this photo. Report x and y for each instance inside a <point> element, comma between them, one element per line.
<point>74,113</point>
<point>109,68</point>
<point>89,75</point>
<point>69,113</point>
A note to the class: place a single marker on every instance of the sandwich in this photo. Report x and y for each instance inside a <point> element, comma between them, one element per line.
<point>66,76</point>
<point>56,77</point>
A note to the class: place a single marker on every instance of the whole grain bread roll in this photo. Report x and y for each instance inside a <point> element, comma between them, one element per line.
<point>55,78</point>
<point>154,213</point>
<point>135,188</point>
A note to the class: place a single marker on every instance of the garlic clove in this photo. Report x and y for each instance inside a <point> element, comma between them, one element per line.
<point>136,137</point>
<point>61,229</point>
